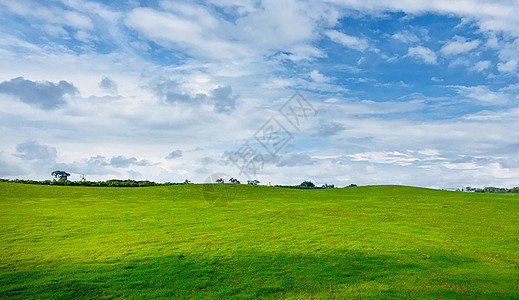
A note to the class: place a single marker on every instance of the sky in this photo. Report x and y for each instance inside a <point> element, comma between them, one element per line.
<point>421,93</point>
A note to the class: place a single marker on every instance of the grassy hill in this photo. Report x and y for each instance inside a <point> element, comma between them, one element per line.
<point>249,242</point>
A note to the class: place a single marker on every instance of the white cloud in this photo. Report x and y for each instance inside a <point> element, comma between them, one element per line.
<point>84,36</point>
<point>459,45</point>
<point>489,15</point>
<point>509,57</point>
<point>425,54</point>
<point>355,43</point>
<point>393,157</point>
<point>485,115</point>
<point>497,171</point>
<point>480,66</point>
<point>406,37</point>
<point>55,30</point>
<point>50,14</point>
<point>318,77</point>
<point>508,67</point>
<point>483,94</point>
<point>193,32</point>
<point>430,152</point>
<point>462,166</point>
<point>273,26</point>
<point>459,62</point>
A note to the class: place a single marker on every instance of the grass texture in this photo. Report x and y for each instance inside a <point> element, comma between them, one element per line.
<point>256,242</point>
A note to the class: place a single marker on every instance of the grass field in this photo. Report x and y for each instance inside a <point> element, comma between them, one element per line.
<point>256,242</point>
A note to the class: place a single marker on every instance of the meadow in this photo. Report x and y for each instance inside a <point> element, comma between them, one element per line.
<point>227,241</point>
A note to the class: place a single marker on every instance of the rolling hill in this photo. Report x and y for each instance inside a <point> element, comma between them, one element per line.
<point>247,242</point>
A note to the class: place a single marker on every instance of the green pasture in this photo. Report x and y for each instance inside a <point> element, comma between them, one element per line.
<point>249,242</point>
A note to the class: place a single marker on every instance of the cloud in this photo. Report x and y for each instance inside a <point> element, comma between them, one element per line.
<point>489,15</point>
<point>459,62</point>
<point>94,165</point>
<point>224,101</point>
<point>50,14</point>
<point>134,174</point>
<point>349,41</point>
<point>168,26</point>
<point>174,154</point>
<point>483,94</point>
<point>327,130</point>
<point>480,66</point>
<point>508,67</point>
<point>8,169</point>
<point>108,85</point>
<point>509,57</point>
<point>172,91</point>
<point>318,77</point>
<point>124,162</point>
<point>43,94</point>
<point>100,165</point>
<point>190,27</point>
<point>459,45</point>
<point>393,157</point>
<point>425,54</point>
<point>295,159</point>
<point>265,28</point>
<point>406,37</point>
<point>97,161</point>
<point>36,158</point>
<point>33,151</point>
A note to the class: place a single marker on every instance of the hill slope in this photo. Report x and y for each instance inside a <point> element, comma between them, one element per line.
<point>248,242</point>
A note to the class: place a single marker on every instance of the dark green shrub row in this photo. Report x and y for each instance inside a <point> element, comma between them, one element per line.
<point>108,183</point>
<point>497,190</point>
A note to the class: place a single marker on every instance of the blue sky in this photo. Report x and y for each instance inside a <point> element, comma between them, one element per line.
<point>422,93</point>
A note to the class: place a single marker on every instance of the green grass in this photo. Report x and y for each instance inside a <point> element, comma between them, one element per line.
<point>257,242</point>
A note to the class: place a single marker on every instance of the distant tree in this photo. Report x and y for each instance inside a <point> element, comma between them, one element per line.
<point>307,183</point>
<point>220,180</point>
<point>60,175</point>
<point>234,180</point>
<point>352,185</point>
<point>253,182</point>
<point>327,186</point>
<point>187,181</point>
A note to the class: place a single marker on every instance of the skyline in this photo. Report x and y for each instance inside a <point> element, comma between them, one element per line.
<point>421,93</point>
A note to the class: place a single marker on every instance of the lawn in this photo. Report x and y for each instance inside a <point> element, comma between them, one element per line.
<point>247,242</point>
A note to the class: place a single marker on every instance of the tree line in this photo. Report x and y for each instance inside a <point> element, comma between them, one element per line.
<point>61,179</point>
<point>108,183</point>
<point>491,189</point>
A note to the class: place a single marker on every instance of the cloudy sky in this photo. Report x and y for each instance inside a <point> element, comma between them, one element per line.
<point>422,92</point>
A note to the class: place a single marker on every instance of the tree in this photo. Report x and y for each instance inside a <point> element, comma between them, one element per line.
<point>60,175</point>
<point>234,180</point>
<point>253,182</point>
<point>307,183</point>
<point>220,180</point>
<point>187,181</point>
<point>327,186</point>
